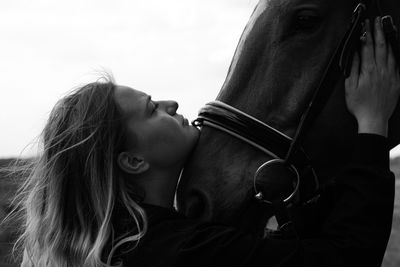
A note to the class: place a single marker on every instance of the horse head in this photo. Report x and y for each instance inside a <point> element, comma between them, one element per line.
<point>282,54</point>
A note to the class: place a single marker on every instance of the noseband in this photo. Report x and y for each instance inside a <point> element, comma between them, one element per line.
<point>288,155</point>
<point>260,135</point>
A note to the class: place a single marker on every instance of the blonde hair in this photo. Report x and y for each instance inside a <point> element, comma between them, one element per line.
<point>74,186</point>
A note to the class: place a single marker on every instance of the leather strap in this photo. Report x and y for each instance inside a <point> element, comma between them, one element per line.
<point>339,64</point>
<point>256,133</point>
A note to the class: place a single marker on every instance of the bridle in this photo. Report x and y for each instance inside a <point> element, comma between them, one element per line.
<point>288,155</point>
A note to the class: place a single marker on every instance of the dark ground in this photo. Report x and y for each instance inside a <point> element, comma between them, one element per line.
<point>7,234</point>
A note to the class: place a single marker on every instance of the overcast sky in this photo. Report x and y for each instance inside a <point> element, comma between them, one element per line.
<point>171,49</point>
<point>175,49</point>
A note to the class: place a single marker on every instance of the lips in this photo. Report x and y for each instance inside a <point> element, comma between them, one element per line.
<point>181,119</point>
<point>184,121</point>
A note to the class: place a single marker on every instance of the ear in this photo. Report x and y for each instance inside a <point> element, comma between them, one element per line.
<point>131,163</point>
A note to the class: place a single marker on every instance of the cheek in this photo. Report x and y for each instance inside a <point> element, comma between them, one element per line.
<point>165,140</point>
<point>131,139</point>
<point>166,151</point>
<point>167,133</point>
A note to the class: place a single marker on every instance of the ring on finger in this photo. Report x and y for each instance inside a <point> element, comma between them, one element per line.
<point>363,37</point>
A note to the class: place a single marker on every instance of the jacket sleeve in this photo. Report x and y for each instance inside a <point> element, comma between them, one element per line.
<point>358,228</point>
<point>355,232</point>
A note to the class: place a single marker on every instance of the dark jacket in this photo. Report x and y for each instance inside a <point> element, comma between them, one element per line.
<point>354,234</point>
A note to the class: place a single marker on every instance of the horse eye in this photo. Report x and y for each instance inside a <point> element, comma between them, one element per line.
<point>307,22</point>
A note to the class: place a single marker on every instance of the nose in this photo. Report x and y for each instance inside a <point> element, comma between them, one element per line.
<point>170,106</point>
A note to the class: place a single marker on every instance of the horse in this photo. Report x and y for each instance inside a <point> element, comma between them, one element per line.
<point>279,61</point>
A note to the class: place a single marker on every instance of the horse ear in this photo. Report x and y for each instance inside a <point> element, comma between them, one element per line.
<point>131,163</point>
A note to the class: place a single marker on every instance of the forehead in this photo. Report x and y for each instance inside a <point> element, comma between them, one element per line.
<point>129,100</point>
<point>266,11</point>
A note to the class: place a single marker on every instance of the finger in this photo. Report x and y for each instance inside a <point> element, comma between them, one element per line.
<point>392,64</point>
<point>367,50</point>
<point>380,44</point>
<point>352,80</point>
<point>392,60</point>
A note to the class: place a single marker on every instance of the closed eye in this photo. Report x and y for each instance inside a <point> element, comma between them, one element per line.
<point>155,106</point>
<point>307,21</point>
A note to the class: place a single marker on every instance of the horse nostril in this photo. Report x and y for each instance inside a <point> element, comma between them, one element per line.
<point>197,206</point>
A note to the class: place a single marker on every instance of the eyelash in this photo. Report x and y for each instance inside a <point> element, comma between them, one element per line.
<point>155,107</point>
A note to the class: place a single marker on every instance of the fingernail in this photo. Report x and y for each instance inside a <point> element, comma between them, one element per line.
<point>387,19</point>
<point>387,24</point>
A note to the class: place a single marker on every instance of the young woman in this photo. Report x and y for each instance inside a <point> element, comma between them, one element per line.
<point>102,191</point>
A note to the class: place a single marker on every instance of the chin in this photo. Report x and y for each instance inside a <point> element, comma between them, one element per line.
<point>194,139</point>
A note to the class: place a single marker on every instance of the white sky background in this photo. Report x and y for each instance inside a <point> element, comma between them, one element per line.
<point>175,49</point>
<point>171,49</point>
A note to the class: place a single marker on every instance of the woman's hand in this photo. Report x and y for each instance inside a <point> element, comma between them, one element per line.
<point>373,88</point>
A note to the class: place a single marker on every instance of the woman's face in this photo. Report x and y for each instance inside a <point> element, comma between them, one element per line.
<point>154,130</point>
